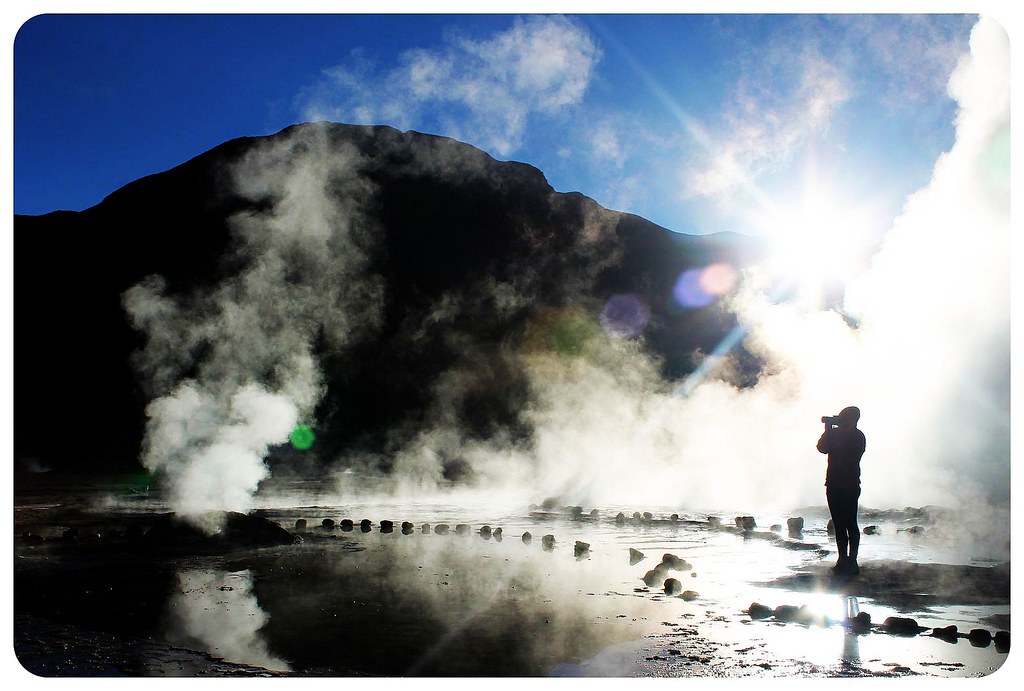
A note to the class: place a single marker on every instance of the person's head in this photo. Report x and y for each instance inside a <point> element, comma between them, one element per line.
<point>849,416</point>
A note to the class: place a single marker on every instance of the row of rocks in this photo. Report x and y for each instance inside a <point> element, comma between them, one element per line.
<point>550,508</point>
<point>875,530</point>
<point>861,623</point>
<point>746,524</point>
<point>408,528</point>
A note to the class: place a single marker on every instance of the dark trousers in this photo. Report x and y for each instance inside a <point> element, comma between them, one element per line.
<point>842,503</point>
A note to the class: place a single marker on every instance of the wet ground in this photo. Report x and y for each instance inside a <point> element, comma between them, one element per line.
<point>475,601</point>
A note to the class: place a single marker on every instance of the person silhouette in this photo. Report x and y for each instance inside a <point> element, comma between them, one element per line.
<point>845,444</point>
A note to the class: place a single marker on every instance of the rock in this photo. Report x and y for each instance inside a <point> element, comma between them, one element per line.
<point>300,525</point>
<point>327,524</point>
<point>947,633</point>
<point>861,623</point>
<point>673,587</point>
<point>648,515</point>
<point>690,595</point>
<point>655,575</point>
<point>871,530</point>
<point>795,525</point>
<point>71,534</point>
<point>548,542</point>
<point>746,523</point>
<point>620,518</point>
<point>347,525</point>
<point>901,626</point>
<point>715,521</point>
<point>1002,641</point>
<point>637,516</point>
<point>759,611</point>
<point>980,638</point>
<point>425,528</point>
<point>549,503</point>
<point>574,511</point>
<point>674,517</point>
<point>671,561</point>
<point>462,529</point>
<point>594,513</point>
<point>365,525</point>
<point>786,612</point>
<point>174,534</point>
<point>407,528</point>
<point>441,529</point>
<point>915,530</point>
<point>581,549</point>
<point>830,528</point>
<point>497,533</point>
<point>776,528</point>
<point>635,556</point>
<point>387,526</point>
<point>485,530</point>
<point>527,538</point>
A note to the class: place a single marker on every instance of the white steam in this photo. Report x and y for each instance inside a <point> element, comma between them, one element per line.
<point>212,449</point>
<point>928,365</point>
<point>232,368</point>
<point>927,362</point>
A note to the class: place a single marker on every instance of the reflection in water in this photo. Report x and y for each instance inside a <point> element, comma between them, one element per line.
<point>448,605</point>
<point>851,649</point>
<point>851,642</point>
<point>217,612</point>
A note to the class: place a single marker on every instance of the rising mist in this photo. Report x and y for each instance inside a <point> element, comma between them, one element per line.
<point>922,347</point>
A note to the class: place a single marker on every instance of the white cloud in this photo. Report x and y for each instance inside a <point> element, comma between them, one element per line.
<point>917,51</point>
<point>483,91</point>
<point>606,144</point>
<point>766,125</point>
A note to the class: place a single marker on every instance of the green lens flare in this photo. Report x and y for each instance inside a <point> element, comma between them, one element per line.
<point>302,437</point>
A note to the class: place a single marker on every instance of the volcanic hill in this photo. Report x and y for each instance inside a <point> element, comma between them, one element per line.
<point>409,265</point>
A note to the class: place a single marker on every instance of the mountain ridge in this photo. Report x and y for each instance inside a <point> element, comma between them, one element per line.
<point>447,257</point>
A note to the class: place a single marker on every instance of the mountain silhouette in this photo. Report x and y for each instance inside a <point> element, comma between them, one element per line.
<point>431,271</point>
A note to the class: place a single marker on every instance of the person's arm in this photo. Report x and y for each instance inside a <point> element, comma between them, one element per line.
<point>823,442</point>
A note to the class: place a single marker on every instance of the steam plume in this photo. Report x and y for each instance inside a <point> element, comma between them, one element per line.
<point>232,368</point>
<point>927,362</point>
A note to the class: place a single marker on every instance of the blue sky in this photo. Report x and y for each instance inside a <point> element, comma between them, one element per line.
<point>700,123</point>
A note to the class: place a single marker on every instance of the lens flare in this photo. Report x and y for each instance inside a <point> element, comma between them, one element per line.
<point>625,315</point>
<point>700,287</point>
<point>302,437</point>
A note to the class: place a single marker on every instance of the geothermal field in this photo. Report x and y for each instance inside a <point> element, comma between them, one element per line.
<point>371,397</point>
<point>457,585</point>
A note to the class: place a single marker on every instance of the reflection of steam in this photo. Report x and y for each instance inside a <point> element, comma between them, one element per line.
<point>448,604</point>
<point>217,612</point>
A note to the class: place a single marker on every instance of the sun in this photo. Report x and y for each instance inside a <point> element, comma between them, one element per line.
<point>817,241</point>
